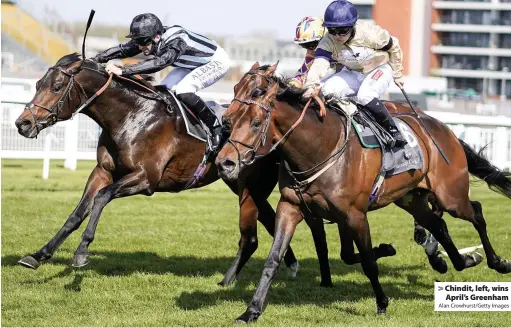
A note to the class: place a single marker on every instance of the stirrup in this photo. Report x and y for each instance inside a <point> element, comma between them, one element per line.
<point>399,141</point>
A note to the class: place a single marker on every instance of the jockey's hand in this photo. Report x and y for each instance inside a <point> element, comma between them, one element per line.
<point>112,69</point>
<point>308,93</point>
<point>400,82</point>
<point>295,83</point>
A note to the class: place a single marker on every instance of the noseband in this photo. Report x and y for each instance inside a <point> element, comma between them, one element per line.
<point>250,155</point>
<point>56,109</point>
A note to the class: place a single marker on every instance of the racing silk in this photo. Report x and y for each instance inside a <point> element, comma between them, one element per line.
<point>178,47</point>
<point>371,46</point>
<point>301,75</point>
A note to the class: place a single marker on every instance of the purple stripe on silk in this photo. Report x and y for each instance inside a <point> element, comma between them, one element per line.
<point>321,53</point>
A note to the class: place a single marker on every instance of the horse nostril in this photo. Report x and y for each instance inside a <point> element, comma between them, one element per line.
<point>228,166</point>
<point>23,123</point>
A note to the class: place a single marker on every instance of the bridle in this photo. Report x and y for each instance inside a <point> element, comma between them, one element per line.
<point>55,110</point>
<point>250,155</point>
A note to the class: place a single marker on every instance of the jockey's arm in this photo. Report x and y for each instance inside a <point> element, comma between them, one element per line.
<point>157,63</point>
<point>380,39</point>
<point>301,75</point>
<point>125,50</point>
<point>317,71</point>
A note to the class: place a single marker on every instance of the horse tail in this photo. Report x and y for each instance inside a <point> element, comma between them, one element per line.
<point>480,167</point>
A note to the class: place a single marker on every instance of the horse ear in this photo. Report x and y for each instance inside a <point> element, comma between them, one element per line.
<point>273,68</point>
<point>255,66</point>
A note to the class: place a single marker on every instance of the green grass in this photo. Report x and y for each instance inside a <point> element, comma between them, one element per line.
<point>156,261</point>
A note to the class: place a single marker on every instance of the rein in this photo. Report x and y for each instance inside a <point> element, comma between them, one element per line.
<point>261,140</point>
<point>250,155</point>
<point>55,110</point>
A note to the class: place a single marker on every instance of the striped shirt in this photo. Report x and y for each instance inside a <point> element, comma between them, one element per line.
<point>193,50</point>
<point>178,47</point>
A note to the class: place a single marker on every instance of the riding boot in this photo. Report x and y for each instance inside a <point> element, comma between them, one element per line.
<point>206,115</point>
<point>382,116</point>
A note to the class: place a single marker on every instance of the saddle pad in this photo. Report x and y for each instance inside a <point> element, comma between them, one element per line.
<point>194,127</point>
<point>398,159</point>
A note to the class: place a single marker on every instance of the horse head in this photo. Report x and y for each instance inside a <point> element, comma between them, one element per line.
<point>248,120</point>
<point>59,93</point>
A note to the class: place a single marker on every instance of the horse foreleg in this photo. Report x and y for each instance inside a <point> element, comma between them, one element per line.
<point>131,184</point>
<point>98,179</point>
<point>248,239</point>
<point>287,218</point>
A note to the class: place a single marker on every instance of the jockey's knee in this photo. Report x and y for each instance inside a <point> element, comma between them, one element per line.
<point>184,88</point>
<point>365,97</point>
<point>331,89</point>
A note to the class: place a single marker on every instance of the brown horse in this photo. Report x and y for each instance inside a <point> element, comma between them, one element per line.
<point>261,117</point>
<point>142,150</point>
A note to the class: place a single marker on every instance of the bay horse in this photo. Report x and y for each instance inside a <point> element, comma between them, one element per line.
<point>141,150</point>
<point>265,116</point>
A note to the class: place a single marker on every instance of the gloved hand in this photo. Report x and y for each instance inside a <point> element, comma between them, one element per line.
<point>308,93</point>
<point>295,83</point>
<point>113,69</point>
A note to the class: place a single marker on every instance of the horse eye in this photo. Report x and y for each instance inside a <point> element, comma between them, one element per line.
<point>57,87</point>
<point>258,93</point>
<point>256,123</point>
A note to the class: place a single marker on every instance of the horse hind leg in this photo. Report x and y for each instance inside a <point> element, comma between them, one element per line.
<point>419,233</point>
<point>318,234</point>
<point>416,203</point>
<point>472,211</point>
<point>359,230</point>
<point>348,254</point>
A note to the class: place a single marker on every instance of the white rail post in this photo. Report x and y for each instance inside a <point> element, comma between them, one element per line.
<point>71,144</point>
<point>47,149</point>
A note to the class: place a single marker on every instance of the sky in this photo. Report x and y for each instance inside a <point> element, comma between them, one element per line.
<point>217,17</point>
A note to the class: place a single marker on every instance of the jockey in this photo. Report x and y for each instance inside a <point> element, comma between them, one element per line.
<point>199,62</point>
<point>309,32</point>
<point>371,57</point>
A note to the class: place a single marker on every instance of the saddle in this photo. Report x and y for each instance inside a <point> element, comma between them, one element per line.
<point>370,134</point>
<point>194,126</point>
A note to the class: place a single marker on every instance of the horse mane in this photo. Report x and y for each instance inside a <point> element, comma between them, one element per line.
<point>76,57</point>
<point>287,93</point>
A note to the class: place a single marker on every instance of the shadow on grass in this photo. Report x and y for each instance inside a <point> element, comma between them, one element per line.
<point>127,263</point>
<point>298,292</point>
<point>302,290</point>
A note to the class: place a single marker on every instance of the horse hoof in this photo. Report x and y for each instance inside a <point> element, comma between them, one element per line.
<point>381,311</point>
<point>326,284</point>
<point>29,262</point>
<point>225,283</point>
<point>478,258</point>
<point>80,260</point>
<point>247,317</point>
<point>504,266</point>
<point>293,269</point>
<point>387,250</point>
<point>438,264</point>
<point>471,260</point>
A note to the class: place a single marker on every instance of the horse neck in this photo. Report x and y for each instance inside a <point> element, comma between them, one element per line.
<point>312,141</point>
<point>115,107</point>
